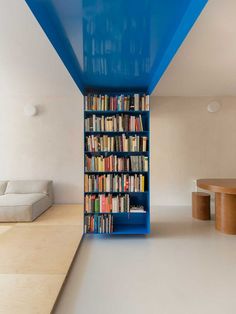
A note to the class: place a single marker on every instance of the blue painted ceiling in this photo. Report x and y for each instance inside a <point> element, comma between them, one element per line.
<point>116,45</point>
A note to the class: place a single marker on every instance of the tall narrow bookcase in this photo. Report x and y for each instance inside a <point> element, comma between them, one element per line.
<point>116,164</point>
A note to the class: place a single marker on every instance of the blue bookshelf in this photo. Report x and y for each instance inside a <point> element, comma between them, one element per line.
<point>132,213</point>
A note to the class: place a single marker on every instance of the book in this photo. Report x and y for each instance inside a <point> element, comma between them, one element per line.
<point>137,209</point>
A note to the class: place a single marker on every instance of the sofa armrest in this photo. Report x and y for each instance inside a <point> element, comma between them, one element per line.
<point>50,191</point>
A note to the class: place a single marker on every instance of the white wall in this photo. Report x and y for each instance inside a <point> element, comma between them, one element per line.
<point>188,143</point>
<point>47,146</point>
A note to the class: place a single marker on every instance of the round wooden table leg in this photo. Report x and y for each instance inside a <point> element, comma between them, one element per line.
<point>226,213</point>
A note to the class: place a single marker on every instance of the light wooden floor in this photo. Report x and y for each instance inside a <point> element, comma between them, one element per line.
<point>35,258</point>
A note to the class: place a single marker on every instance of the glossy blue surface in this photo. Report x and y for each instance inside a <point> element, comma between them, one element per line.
<point>116,44</point>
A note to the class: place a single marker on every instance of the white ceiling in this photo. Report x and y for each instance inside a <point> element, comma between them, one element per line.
<point>205,65</point>
<point>29,64</point>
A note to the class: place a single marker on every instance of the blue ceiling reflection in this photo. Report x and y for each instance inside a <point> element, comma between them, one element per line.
<point>116,45</point>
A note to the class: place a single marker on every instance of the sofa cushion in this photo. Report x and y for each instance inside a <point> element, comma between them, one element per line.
<point>20,199</point>
<point>3,185</point>
<point>27,187</point>
<point>23,207</point>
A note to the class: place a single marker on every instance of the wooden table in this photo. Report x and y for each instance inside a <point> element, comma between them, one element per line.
<point>225,202</point>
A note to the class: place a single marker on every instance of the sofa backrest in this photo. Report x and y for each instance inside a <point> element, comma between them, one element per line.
<point>29,186</point>
<point>3,185</point>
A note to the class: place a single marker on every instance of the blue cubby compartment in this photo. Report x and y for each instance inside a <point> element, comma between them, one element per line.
<point>140,199</point>
<point>133,223</point>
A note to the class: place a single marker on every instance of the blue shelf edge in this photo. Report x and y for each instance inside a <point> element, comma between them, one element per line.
<point>123,213</point>
<point>127,192</point>
<point>117,132</point>
<point>126,230</point>
<point>117,153</point>
<point>115,172</point>
<point>108,112</point>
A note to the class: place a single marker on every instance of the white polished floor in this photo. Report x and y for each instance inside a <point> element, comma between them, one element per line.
<point>184,267</point>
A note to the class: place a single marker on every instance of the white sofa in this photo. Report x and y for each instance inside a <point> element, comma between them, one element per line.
<point>24,200</point>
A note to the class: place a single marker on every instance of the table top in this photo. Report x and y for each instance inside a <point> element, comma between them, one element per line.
<point>227,186</point>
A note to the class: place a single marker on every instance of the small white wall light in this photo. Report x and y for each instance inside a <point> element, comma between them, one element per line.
<point>213,106</point>
<point>30,110</point>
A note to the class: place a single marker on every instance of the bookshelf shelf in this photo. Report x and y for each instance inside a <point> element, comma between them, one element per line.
<point>125,213</point>
<point>117,153</point>
<point>131,229</point>
<point>115,192</point>
<point>111,112</point>
<point>126,229</point>
<point>116,132</point>
<point>109,212</point>
<point>112,172</point>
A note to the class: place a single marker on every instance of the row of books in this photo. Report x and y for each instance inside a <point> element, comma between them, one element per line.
<point>114,123</point>
<point>107,203</point>
<point>115,163</point>
<point>114,183</point>
<point>98,223</point>
<point>134,102</point>
<point>121,143</point>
